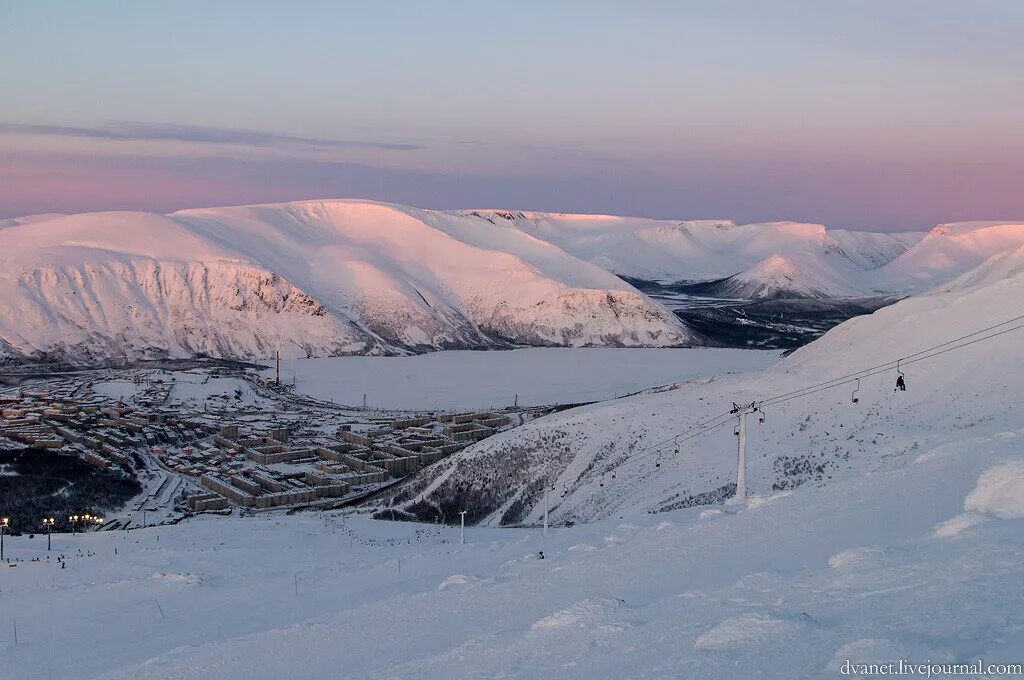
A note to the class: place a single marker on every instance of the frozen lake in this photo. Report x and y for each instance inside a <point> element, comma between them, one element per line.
<point>465,379</point>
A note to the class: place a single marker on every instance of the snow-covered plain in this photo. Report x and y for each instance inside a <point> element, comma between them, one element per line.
<point>538,376</point>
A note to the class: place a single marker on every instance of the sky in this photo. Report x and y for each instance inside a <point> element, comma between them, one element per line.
<point>869,114</point>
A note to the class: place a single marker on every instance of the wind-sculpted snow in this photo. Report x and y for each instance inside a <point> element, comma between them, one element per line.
<point>311,279</point>
<point>622,456</point>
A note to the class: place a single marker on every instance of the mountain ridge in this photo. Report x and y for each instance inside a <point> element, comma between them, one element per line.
<point>394,279</point>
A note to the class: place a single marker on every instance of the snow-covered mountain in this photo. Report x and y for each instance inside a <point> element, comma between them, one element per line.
<point>705,250</point>
<point>780,276</point>
<point>948,251</point>
<point>771,259</point>
<point>637,454</point>
<point>323,278</point>
<point>313,278</point>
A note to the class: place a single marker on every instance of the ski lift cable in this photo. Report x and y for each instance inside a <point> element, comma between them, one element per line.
<point>648,453</point>
<point>894,362</point>
<point>919,356</point>
<point>865,372</point>
<point>709,424</point>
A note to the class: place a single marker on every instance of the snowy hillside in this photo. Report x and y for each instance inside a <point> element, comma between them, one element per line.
<point>700,250</point>
<point>315,278</point>
<point>920,562</point>
<point>950,250</point>
<point>823,262</point>
<point>325,278</point>
<point>787,277</point>
<point>620,456</point>
<point>1000,270</point>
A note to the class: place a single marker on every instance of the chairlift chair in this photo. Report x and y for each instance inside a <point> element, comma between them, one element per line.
<point>901,381</point>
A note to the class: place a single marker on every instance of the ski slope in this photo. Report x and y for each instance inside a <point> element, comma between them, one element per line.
<point>920,562</point>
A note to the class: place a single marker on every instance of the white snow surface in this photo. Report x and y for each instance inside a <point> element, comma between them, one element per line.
<point>699,250</point>
<point>794,277</point>
<point>530,377</point>
<point>1000,491</point>
<point>950,250</point>
<point>789,588</point>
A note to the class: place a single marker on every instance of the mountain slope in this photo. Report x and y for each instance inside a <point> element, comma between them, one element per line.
<point>322,278</point>
<point>619,456</point>
<point>786,277</point>
<point>313,278</point>
<point>948,251</point>
<point>699,250</point>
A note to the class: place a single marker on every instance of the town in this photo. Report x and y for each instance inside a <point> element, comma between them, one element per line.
<point>216,439</point>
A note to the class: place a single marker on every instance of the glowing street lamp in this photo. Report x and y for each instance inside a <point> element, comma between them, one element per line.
<point>48,523</point>
<point>4,523</point>
<point>73,520</point>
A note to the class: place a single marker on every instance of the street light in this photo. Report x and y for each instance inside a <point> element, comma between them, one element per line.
<point>73,520</point>
<point>48,523</point>
<point>4,523</point>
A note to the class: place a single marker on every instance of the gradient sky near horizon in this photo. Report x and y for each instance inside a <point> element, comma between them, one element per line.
<point>870,114</point>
